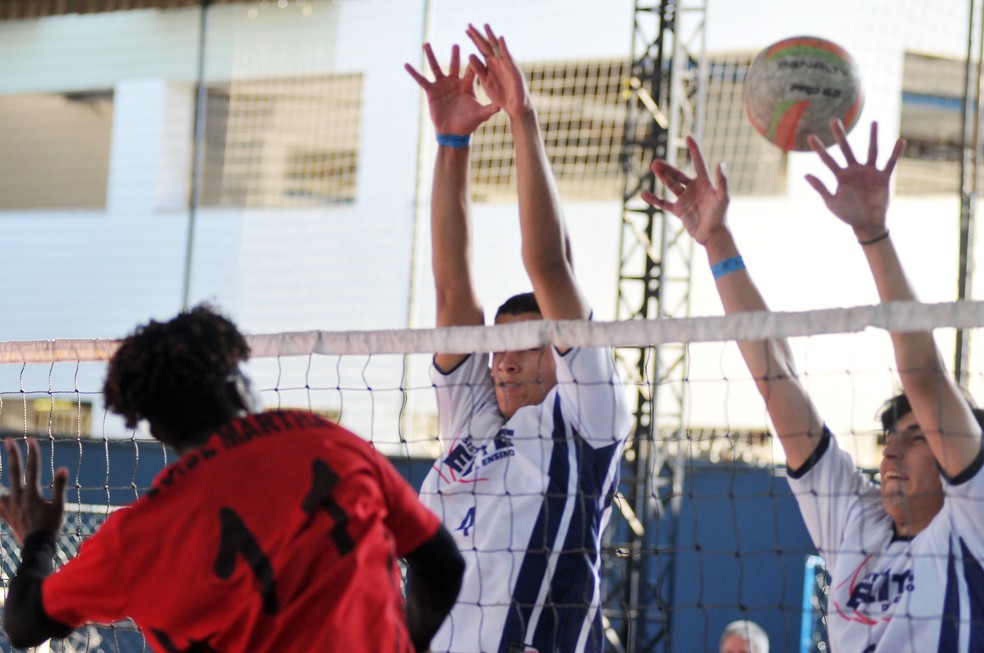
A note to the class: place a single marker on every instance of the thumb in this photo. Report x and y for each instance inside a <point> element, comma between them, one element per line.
<point>819,187</point>
<point>488,111</point>
<point>58,488</point>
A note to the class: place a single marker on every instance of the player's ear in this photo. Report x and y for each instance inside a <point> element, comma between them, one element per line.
<point>240,392</point>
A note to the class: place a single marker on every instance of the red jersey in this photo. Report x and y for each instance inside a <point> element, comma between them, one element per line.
<point>280,533</point>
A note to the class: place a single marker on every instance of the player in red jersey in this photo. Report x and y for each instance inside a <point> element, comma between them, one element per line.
<point>275,531</point>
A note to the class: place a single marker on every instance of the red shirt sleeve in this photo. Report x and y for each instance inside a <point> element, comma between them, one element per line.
<point>411,522</point>
<point>92,585</point>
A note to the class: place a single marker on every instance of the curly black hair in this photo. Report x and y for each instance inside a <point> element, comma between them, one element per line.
<point>180,375</point>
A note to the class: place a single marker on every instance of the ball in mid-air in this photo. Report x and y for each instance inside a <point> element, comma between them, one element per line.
<point>796,86</point>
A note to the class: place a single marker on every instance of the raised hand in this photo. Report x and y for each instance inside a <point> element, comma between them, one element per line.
<point>701,204</point>
<point>24,508</point>
<point>861,196</point>
<point>454,108</point>
<point>499,75</point>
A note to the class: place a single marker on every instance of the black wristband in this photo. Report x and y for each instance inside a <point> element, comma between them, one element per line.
<point>874,240</point>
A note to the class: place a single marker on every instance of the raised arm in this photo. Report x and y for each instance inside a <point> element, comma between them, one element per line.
<point>860,200</point>
<point>702,205</point>
<point>545,250</point>
<point>34,522</point>
<point>456,113</point>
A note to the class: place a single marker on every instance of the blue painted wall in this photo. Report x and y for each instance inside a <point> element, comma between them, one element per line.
<point>741,551</point>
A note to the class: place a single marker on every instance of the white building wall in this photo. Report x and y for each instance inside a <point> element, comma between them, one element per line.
<point>75,274</point>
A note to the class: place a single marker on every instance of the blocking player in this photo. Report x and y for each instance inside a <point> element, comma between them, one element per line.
<point>274,531</point>
<point>906,558</point>
<point>531,444</point>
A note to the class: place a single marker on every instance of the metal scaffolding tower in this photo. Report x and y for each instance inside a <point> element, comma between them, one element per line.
<point>664,104</point>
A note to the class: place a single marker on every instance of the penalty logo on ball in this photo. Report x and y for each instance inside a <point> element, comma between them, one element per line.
<point>796,86</point>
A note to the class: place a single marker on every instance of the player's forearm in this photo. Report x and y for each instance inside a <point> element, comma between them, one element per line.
<point>915,351</point>
<point>434,572</point>
<point>24,619</point>
<point>451,237</point>
<point>540,216</point>
<point>770,362</point>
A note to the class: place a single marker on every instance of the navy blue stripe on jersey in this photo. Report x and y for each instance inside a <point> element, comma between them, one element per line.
<point>973,580</point>
<point>533,570</point>
<point>950,621</point>
<point>974,577</point>
<point>573,584</point>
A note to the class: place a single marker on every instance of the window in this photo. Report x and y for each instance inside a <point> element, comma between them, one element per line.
<point>55,150</point>
<point>41,415</point>
<point>582,113</point>
<point>932,106</point>
<point>282,143</point>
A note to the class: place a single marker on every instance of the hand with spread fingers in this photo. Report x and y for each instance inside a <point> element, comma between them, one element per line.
<point>23,507</point>
<point>499,75</point>
<point>454,108</point>
<point>861,196</point>
<point>701,204</point>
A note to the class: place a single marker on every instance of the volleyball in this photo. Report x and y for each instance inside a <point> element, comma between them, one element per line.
<point>796,86</point>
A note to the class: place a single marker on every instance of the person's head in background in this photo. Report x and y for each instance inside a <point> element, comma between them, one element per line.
<point>744,636</point>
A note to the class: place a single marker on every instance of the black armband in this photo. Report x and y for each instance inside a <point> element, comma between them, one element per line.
<point>434,573</point>
<point>24,618</point>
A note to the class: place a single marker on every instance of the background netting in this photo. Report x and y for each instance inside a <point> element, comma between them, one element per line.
<point>739,549</point>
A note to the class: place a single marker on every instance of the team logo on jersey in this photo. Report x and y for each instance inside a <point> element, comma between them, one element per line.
<point>466,457</point>
<point>874,594</point>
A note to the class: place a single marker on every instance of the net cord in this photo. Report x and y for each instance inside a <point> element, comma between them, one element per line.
<point>753,326</point>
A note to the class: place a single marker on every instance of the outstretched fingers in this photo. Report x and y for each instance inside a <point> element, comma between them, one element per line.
<point>454,67</point>
<point>700,167</point>
<point>477,68</point>
<point>31,482</point>
<point>432,61</point>
<point>417,77</point>
<point>817,146</point>
<point>483,44</point>
<point>893,159</point>
<point>672,178</point>
<point>896,155</point>
<point>504,53</point>
<point>491,37</point>
<point>819,187</point>
<point>840,135</point>
<point>873,144</point>
<point>58,485</point>
<point>14,469</point>
<point>655,200</point>
<point>721,179</point>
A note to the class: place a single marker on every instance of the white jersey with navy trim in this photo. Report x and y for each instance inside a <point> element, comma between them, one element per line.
<point>889,594</point>
<point>527,500</point>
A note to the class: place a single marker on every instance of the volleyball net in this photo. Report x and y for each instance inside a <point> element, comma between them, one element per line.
<point>717,539</point>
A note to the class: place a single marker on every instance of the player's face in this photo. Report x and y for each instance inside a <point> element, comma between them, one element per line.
<point>912,492</point>
<point>522,378</point>
<point>735,644</point>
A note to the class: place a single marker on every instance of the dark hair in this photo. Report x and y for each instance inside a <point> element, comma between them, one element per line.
<point>181,376</point>
<point>898,407</point>
<point>518,304</point>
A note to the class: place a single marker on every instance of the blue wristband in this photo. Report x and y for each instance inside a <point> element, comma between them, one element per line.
<point>453,140</point>
<point>727,266</point>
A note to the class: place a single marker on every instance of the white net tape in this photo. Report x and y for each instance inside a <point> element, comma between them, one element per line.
<point>759,325</point>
